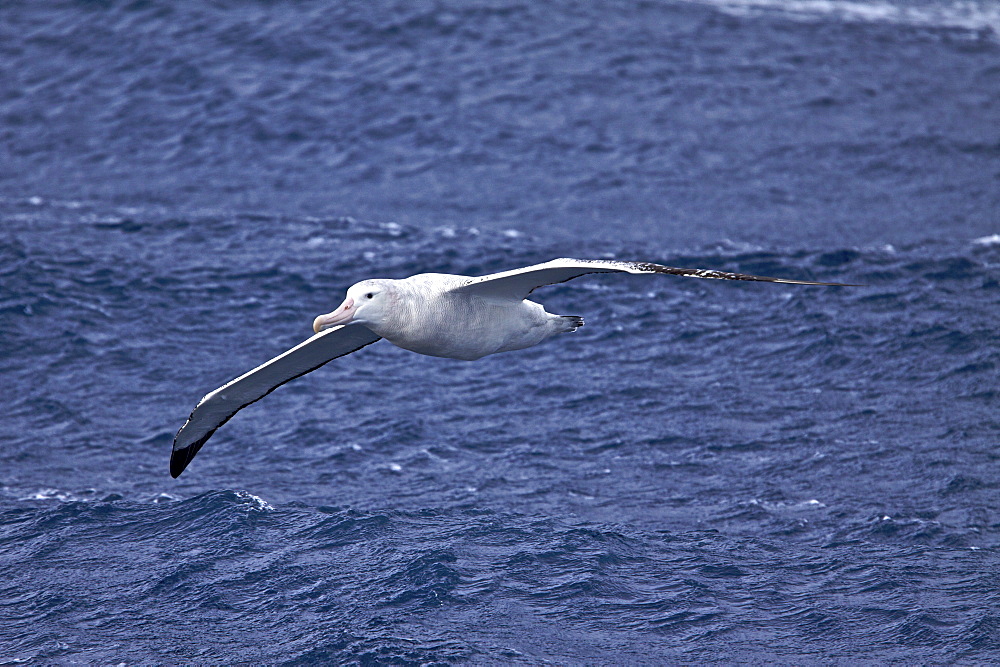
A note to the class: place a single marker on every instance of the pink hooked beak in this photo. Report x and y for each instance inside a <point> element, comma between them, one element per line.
<point>343,315</point>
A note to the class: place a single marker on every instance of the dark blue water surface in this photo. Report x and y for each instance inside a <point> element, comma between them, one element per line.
<point>707,472</point>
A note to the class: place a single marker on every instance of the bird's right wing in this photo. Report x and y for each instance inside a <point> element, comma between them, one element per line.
<point>218,407</point>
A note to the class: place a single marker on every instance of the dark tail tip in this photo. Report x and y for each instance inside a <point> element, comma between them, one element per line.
<point>573,322</point>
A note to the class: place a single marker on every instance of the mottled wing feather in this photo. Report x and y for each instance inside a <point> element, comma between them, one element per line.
<point>218,407</point>
<point>519,283</point>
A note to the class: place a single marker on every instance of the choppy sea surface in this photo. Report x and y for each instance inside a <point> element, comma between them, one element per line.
<point>707,472</point>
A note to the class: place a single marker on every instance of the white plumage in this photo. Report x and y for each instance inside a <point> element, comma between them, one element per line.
<point>436,314</point>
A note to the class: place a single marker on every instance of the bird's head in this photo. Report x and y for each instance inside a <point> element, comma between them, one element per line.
<point>367,303</point>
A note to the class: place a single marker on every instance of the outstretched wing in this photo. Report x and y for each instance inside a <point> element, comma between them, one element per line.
<point>519,283</point>
<point>217,408</point>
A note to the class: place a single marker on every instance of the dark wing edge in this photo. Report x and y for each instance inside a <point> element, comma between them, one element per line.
<point>180,457</point>
<point>712,274</point>
<point>519,283</point>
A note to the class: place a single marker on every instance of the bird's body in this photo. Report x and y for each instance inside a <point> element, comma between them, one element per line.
<point>429,316</point>
<point>435,314</point>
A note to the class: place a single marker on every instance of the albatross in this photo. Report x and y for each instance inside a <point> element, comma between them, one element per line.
<point>441,315</point>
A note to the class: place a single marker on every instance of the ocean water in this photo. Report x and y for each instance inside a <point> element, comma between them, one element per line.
<point>707,472</point>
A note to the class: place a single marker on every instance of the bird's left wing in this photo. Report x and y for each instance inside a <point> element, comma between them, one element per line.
<point>218,407</point>
<point>519,283</point>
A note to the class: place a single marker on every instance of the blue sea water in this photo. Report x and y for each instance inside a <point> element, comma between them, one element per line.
<point>707,472</point>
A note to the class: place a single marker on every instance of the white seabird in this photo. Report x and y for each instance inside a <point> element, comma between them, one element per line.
<point>437,314</point>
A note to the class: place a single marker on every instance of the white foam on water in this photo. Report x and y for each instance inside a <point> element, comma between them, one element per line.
<point>392,228</point>
<point>993,239</point>
<point>255,502</point>
<point>811,504</point>
<point>52,494</point>
<point>87,495</point>
<point>974,15</point>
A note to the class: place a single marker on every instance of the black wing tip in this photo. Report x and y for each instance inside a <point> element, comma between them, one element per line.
<point>792,281</point>
<point>180,458</point>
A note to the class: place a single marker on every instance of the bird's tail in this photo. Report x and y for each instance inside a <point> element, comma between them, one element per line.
<point>571,322</point>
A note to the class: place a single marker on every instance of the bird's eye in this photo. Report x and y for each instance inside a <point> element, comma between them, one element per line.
<point>369,295</point>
